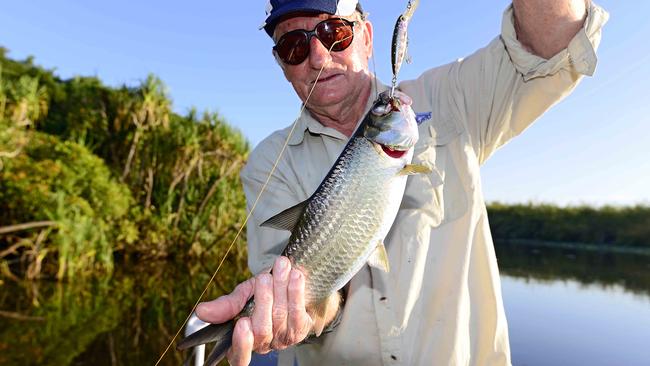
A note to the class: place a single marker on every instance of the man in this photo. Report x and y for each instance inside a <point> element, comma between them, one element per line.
<point>441,303</point>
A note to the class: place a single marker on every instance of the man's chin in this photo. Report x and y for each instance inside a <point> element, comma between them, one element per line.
<point>331,94</point>
<point>325,101</point>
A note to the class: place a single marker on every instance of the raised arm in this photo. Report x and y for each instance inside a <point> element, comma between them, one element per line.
<point>496,93</point>
<point>545,27</point>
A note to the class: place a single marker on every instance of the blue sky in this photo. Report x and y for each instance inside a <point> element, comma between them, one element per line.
<point>592,148</point>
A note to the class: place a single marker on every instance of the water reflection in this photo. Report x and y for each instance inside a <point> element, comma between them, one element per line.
<point>130,318</point>
<point>569,323</point>
<point>544,263</point>
<point>573,307</point>
<point>125,320</point>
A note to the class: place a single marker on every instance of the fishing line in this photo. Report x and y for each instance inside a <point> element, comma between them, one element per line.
<point>374,71</point>
<point>250,213</point>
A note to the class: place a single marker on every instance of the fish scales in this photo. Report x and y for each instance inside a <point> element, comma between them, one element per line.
<point>345,219</point>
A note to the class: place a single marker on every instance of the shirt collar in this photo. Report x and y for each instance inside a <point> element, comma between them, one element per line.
<point>306,122</point>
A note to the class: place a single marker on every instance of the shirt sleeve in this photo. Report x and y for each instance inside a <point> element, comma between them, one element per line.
<point>265,244</point>
<point>500,90</point>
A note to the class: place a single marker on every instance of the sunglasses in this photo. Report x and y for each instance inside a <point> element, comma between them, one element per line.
<point>335,34</point>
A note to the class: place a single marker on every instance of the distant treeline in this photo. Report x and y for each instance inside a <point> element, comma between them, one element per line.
<point>89,172</point>
<point>608,226</point>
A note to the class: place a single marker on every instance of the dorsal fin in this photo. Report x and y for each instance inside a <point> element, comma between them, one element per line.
<point>287,219</point>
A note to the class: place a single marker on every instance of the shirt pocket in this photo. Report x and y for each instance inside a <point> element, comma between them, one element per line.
<point>440,196</point>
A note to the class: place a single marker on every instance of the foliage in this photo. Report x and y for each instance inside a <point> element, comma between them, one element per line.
<point>612,226</point>
<point>64,184</point>
<point>74,148</point>
<point>22,101</point>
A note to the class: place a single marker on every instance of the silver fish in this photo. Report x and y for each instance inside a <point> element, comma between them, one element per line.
<point>341,226</point>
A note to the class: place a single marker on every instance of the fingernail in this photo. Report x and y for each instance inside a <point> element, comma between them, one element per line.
<point>199,310</point>
<point>265,279</point>
<point>282,263</point>
<point>246,325</point>
<point>295,274</point>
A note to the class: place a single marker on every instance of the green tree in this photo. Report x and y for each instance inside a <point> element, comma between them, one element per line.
<point>177,175</point>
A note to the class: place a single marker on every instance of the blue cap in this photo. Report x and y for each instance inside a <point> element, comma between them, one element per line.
<point>276,9</point>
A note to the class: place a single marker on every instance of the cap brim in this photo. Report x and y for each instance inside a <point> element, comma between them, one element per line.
<point>289,8</point>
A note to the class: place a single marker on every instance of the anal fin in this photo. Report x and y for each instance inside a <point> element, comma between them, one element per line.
<point>319,313</point>
<point>379,258</point>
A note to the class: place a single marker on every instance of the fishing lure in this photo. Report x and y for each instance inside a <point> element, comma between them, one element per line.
<point>400,42</point>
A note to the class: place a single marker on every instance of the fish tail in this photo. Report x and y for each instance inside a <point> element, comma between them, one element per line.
<point>221,334</point>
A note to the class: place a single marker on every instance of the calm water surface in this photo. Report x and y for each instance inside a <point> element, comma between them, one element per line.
<point>569,323</point>
<point>564,307</point>
<point>571,307</point>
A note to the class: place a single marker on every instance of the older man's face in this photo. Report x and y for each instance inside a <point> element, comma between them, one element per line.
<point>345,73</point>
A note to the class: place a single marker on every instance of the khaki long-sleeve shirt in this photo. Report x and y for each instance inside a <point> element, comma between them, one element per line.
<point>441,302</point>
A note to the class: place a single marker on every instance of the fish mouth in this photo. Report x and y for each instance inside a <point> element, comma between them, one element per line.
<point>393,151</point>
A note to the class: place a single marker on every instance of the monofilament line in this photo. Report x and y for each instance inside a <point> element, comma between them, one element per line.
<point>250,213</point>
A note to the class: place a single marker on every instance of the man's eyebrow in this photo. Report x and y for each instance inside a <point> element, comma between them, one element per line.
<point>354,17</point>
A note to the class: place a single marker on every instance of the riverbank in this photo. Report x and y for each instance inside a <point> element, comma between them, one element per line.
<point>624,229</point>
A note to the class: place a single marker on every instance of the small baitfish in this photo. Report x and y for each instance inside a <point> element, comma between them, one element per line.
<point>341,227</point>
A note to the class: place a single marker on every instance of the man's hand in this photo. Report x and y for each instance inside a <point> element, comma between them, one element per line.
<point>279,319</point>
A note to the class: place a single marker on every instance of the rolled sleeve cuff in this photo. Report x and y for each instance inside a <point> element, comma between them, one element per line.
<point>580,55</point>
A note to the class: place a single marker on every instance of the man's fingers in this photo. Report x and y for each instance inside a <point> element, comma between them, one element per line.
<point>242,343</point>
<point>278,320</point>
<point>298,322</point>
<point>226,307</point>
<point>281,271</point>
<point>261,321</point>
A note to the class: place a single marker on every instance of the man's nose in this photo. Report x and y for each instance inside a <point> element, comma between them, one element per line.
<point>319,55</point>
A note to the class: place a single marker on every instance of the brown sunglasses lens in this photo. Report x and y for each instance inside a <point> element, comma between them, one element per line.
<point>293,47</point>
<point>335,34</point>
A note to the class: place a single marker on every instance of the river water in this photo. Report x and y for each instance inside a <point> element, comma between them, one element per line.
<point>570,307</point>
<point>564,307</point>
<point>568,323</point>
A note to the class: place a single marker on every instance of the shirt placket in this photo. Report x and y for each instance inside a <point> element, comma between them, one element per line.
<point>390,335</point>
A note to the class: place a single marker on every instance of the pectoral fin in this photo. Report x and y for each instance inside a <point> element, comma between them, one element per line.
<point>411,169</point>
<point>379,258</point>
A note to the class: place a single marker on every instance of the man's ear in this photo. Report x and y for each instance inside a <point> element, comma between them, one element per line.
<point>280,63</point>
<point>368,37</point>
